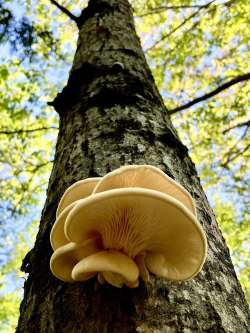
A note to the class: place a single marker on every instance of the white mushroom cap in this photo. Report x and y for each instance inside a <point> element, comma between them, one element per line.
<point>79,190</point>
<point>148,177</point>
<point>66,257</point>
<point>134,221</point>
<point>57,235</point>
<point>115,267</point>
<point>172,267</point>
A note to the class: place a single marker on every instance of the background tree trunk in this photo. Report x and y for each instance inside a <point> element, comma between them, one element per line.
<point>111,114</point>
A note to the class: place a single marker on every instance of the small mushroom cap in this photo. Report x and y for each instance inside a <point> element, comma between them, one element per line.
<point>148,177</point>
<point>66,257</point>
<point>57,235</point>
<point>134,220</point>
<point>79,190</point>
<point>167,267</point>
<point>108,262</point>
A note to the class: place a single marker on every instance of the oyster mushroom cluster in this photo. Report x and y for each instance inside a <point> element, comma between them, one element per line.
<point>133,221</point>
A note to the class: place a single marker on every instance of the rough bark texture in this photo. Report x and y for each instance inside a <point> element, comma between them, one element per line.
<point>111,114</point>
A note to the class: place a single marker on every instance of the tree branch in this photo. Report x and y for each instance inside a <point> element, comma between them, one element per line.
<point>38,166</point>
<point>212,93</point>
<point>238,125</point>
<point>179,26</point>
<point>234,156</point>
<point>233,152</point>
<point>66,12</point>
<point>160,9</point>
<point>163,8</point>
<point>21,131</point>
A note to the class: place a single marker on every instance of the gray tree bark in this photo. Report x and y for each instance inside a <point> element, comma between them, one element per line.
<point>111,114</point>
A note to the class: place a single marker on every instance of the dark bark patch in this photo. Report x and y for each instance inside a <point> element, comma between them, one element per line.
<point>96,7</point>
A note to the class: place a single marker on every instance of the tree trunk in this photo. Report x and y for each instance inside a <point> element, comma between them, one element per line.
<point>111,114</point>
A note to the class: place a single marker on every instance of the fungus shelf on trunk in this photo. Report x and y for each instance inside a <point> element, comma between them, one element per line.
<point>133,220</point>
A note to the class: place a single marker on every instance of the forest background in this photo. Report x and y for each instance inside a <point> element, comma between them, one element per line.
<point>198,52</point>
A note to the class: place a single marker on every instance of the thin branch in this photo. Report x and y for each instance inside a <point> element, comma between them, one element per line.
<point>160,9</point>
<point>38,166</point>
<point>21,131</point>
<point>66,11</point>
<point>163,8</point>
<point>232,152</point>
<point>235,156</point>
<point>238,125</point>
<point>194,25</point>
<point>212,93</point>
<point>179,25</point>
